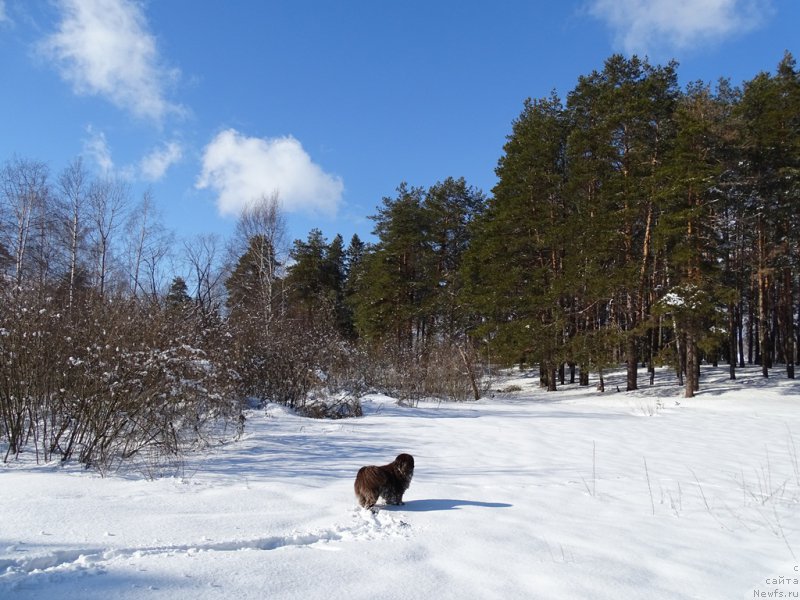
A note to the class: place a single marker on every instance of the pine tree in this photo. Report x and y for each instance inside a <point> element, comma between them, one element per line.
<point>334,275</point>
<point>394,287</point>
<point>354,281</point>
<point>307,289</point>
<point>452,207</point>
<point>515,263</point>
<point>621,128</point>
<point>178,296</point>
<point>769,114</point>
<point>688,227</point>
<point>317,279</point>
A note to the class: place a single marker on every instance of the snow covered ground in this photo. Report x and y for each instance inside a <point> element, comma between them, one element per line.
<point>528,494</point>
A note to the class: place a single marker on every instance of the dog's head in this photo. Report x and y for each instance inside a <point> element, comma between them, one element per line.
<point>404,463</point>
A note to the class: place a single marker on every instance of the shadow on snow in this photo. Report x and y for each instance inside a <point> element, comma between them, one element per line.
<point>443,504</point>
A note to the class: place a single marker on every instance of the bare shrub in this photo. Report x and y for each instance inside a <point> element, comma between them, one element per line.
<point>297,363</point>
<point>29,379</point>
<point>332,408</point>
<point>444,371</point>
<point>453,373</point>
<point>108,379</point>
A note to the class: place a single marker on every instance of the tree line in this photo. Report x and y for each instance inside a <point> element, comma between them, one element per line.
<point>635,222</point>
<point>643,223</point>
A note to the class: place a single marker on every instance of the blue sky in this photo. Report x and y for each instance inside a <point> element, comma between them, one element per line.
<point>209,104</point>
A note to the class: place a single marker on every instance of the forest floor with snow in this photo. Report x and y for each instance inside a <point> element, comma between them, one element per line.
<point>526,494</point>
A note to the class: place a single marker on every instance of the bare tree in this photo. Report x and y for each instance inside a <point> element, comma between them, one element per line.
<point>202,256</point>
<point>73,186</point>
<point>157,253</point>
<point>148,244</point>
<point>44,245</point>
<point>108,199</point>
<point>265,217</point>
<point>24,194</point>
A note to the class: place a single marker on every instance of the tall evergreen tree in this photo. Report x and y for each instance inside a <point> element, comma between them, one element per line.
<point>334,275</point>
<point>621,128</point>
<point>770,170</point>
<point>689,226</point>
<point>354,281</point>
<point>317,279</point>
<point>452,207</point>
<point>516,261</point>
<point>305,281</point>
<point>394,285</point>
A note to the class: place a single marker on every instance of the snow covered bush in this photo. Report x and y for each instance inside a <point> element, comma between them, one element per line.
<point>108,379</point>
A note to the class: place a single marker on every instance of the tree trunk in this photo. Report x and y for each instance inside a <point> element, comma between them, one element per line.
<point>761,282</point>
<point>788,333</point>
<point>680,359</point>
<point>543,376</point>
<point>632,360</point>
<point>691,351</point>
<point>797,340</point>
<point>732,340</point>
<point>473,380</point>
<point>73,254</point>
<point>763,327</point>
<point>692,366</point>
<point>551,379</point>
<point>740,330</point>
<point>651,368</point>
<point>752,339</point>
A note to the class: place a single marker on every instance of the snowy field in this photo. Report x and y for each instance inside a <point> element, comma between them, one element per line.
<point>528,494</point>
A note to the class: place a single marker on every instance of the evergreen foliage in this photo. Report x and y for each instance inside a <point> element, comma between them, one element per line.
<point>178,296</point>
<point>628,225</point>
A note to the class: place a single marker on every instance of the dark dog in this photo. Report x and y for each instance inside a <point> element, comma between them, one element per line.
<point>388,481</point>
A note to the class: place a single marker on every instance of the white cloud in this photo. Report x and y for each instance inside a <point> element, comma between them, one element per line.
<point>154,165</point>
<point>104,48</point>
<point>95,147</point>
<point>241,169</point>
<point>647,26</point>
